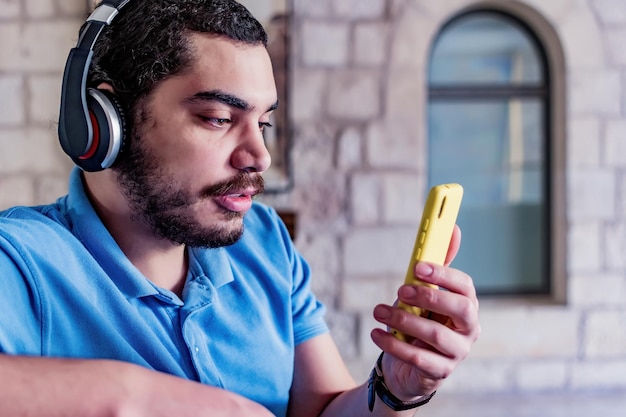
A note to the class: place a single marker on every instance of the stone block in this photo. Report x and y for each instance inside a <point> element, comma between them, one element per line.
<point>312,152</point>
<point>477,375</point>
<point>10,54</point>
<point>361,295</point>
<point>325,44</point>
<point>378,251</point>
<point>44,45</point>
<point>370,44</point>
<point>394,145</point>
<point>365,201</point>
<point>29,150</point>
<point>615,148</point>
<point>615,244</point>
<point>406,101</point>
<point>435,9</point>
<point>16,190</point>
<point>308,8</point>
<point>541,376</point>
<point>590,194</point>
<point>599,375</point>
<point>12,105</point>
<point>343,328</point>
<point>595,93</point>
<point>45,97</point>
<point>584,142</point>
<point>403,198</point>
<point>350,149</point>
<point>414,33</point>
<point>322,253</point>
<point>359,9</point>
<point>583,247</point>
<point>50,187</point>
<point>354,95</point>
<point>597,290</point>
<point>554,10</point>
<point>368,350</point>
<point>9,9</point>
<point>309,89</point>
<point>581,40</point>
<point>610,12</point>
<point>615,46</point>
<point>37,9</point>
<point>530,333</point>
<point>605,333</point>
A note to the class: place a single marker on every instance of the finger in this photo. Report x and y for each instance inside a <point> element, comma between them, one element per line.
<point>423,332</point>
<point>451,279</point>
<point>455,243</point>
<point>458,311</point>
<point>429,363</point>
<point>461,311</point>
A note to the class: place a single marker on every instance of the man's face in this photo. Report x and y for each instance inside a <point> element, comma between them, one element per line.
<point>197,152</point>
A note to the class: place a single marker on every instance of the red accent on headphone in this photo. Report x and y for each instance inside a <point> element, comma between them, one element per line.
<point>96,138</point>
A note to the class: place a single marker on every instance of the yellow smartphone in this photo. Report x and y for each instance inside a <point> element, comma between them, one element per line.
<point>433,237</point>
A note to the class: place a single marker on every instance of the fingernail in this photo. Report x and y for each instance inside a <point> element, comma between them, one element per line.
<point>382,312</point>
<point>407,291</point>
<point>424,270</point>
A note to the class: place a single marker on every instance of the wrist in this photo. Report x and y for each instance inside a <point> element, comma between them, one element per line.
<point>378,388</point>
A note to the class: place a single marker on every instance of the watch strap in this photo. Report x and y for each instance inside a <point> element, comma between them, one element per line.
<point>377,386</point>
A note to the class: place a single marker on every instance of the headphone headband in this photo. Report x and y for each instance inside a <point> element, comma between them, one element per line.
<point>76,116</point>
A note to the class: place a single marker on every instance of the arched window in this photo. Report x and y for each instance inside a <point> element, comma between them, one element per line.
<point>489,129</point>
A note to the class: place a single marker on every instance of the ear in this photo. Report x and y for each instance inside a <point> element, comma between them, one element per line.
<point>106,87</point>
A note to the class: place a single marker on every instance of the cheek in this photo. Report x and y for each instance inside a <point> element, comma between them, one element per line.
<point>188,151</point>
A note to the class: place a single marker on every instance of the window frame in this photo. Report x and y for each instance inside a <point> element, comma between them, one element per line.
<point>551,285</point>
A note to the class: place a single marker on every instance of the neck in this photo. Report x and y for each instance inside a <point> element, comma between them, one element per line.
<point>162,262</point>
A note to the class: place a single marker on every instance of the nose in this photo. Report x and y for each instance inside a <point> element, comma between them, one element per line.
<point>251,155</point>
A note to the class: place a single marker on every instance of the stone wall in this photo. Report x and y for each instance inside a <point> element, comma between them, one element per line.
<point>35,36</point>
<point>358,111</point>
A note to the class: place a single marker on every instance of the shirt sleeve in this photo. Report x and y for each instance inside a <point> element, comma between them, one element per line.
<point>20,327</point>
<point>308,311</point>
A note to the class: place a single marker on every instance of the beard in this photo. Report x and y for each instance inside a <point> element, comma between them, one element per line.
<point>157,200</point>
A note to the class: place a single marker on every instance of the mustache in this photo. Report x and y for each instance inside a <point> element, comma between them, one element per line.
<point>240,182</point>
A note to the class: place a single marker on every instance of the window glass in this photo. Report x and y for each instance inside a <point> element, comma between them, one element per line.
<point>492,139</point>
<point>485,48</point>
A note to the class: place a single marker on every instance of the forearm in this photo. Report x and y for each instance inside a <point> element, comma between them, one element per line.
<point>355,403</point>
<point>33,387</point>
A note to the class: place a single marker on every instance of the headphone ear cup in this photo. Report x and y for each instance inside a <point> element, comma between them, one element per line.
<point>109,131</point>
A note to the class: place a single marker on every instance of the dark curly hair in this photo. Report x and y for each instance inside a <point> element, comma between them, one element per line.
<point>149,41</point>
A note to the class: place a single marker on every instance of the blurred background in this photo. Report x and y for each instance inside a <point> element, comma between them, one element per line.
<point>522,102</point>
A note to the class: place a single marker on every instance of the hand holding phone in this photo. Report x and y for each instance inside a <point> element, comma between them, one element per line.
<point>433,237</point>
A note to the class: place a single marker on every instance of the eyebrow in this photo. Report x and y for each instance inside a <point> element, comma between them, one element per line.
<point>225,98</point>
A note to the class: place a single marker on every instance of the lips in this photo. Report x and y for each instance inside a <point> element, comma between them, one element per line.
<point>236,194</point>
<point>240,201</point>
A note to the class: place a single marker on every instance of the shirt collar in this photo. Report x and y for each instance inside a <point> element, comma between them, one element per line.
<point>212,265</point>
<point>87,226</point>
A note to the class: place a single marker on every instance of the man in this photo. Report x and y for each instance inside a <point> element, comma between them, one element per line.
<point>156,287</point>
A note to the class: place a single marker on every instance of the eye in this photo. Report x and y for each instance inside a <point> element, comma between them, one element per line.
<point>217,121</point>
<point>263,125</point>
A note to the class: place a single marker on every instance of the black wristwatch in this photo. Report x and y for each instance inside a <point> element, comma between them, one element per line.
<point>377,386</point>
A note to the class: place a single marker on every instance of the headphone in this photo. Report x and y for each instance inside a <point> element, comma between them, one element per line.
<point>91,121</point>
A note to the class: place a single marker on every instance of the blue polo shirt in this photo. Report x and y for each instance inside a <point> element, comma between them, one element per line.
<point>67,290</point>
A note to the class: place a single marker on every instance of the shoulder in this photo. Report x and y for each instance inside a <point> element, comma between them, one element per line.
<point>38,228</point>
<point>35,219</point>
